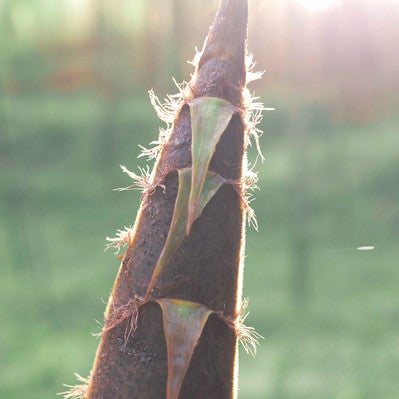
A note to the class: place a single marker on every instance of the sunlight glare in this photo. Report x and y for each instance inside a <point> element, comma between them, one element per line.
<point>320,5</point>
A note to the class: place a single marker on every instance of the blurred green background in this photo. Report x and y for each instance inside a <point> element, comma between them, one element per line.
<point>74,76</point>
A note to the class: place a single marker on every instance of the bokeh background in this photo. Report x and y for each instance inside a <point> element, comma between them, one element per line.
<point>74,76</point>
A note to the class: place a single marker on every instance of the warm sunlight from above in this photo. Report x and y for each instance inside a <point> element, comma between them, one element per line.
<point>319,5</point>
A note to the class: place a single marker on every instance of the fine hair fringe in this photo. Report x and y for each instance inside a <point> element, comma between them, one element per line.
<point>247,335</point>
<point>122,239</point>
<point>77,391</point>
<point>120,313</point>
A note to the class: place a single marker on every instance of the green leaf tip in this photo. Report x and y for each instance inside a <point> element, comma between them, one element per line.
<point>177,230</point>
<point>210,117</point>
<point>183,322</point>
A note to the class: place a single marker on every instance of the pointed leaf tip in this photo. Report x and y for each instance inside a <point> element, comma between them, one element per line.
<point>212,183</point>
<point>183,322</point>
<point>210,117</point>
<point>177,230</point>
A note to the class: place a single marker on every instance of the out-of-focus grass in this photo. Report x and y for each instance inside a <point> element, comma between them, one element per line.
<point>328,311</point>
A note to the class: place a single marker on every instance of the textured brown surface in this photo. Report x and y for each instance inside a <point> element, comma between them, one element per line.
<point>206,266</point>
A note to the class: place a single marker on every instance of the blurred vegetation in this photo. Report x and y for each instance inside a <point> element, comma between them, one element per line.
<point>73,105</point>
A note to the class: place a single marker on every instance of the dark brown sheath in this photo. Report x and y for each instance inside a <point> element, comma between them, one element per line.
<point>206,267</point>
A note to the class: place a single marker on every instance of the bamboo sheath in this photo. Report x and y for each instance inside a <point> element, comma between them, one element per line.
<point>131,360</point>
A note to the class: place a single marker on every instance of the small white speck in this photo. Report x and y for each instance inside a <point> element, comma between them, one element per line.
<point>366,248</point>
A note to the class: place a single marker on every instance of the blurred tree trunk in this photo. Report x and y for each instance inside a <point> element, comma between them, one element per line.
<point>299,234</point>
<point>12,122</point>
<point>299,241</point>
<point>102,68</point>
<point>176,37</point>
